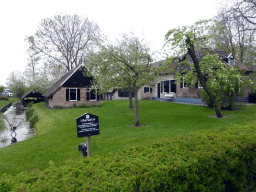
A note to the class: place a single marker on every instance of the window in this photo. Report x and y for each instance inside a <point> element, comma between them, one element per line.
<point>147,89</point>
<point>73,94</point>
<point>124,94</point>
<point>166,86</point>
<point>91,95</point>
<point>182,83</point>
<point>173,86</point>
<point>231,62</point>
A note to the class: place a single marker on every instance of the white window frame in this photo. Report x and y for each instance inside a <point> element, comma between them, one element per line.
<point>183,87</point>
<point>69,94</point>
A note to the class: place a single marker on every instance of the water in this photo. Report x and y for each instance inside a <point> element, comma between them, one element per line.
<point>22,131</point>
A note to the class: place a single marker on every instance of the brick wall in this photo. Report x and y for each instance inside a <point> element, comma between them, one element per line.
<point>147,95</point>
<point>59,99</point>
<point>192,92</point>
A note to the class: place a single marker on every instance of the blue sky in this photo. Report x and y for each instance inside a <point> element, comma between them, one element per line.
<point>152,18</point>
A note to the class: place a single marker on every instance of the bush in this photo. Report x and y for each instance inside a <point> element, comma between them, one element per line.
<point>29,113</point>
<point>2,125</point>
<point>218,160</point>
<point>33,120</point>
<point>4,97</point>
<point>82,105</point>
<point>228,101</point>
<point>58,107</point>
<point>31,116</point>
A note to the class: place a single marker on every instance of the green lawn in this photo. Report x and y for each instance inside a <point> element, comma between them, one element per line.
<point>58,140</point>
<point>4,102</point>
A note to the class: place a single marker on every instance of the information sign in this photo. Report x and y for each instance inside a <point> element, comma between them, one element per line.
<point>87,125</point>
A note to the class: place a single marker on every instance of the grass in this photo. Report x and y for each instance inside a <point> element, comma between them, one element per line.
<point>4,102</point>
<point>57,135</point>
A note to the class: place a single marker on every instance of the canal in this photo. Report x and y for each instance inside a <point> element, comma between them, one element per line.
<point>17,118</point>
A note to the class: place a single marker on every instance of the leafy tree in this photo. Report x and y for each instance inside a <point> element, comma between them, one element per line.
<point>64,39</point>
<point>44,78</point>
<point>16,83</point>
<point>222,83</point>
<point>1,88</point>
<point>190,41</point>
<point>124,65</point>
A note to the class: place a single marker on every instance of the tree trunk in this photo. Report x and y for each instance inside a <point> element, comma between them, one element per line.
<point>136,109</point>
<point>191,52</point>
<point>130,99</point>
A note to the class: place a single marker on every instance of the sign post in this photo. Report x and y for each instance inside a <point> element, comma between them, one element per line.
<point>87,125</point>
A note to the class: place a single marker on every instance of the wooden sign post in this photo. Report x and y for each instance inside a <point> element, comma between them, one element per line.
<point>87,125</point>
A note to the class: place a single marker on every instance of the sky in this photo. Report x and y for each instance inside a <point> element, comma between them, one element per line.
<point>149,18</point>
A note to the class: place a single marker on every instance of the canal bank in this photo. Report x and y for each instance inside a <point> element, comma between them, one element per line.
<point>16,127</point>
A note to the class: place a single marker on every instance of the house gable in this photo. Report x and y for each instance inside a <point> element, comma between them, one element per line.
<point>78,79</point>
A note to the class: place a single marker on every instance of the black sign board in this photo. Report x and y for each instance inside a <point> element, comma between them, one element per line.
<point>87,125</point>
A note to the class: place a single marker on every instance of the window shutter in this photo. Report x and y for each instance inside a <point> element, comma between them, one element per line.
<point>98,96</point>
<point>78,94</point>
<point>87,94</point>
<point>67,94</point>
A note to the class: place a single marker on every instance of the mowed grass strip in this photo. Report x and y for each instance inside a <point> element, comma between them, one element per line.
<point>58,140</point>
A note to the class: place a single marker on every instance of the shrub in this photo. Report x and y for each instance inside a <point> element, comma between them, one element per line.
<point>2,125</point>
<point>218,160</point>
<point>4,97</point>
<point>58,107</point>
<point>82,105</point>
<point>29,113</point>
<point>33,120</point>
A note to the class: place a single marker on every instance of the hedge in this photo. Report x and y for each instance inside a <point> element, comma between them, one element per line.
<point>218,160</point>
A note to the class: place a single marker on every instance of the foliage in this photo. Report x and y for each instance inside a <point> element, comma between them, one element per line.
<point>16,83</point>
<point>31,116</point>
<point>224,82</point>
<point>58,107</point>
<point>44,77</point>
<point>2,125</point>
<point>57,136</point>
<point>232,35</point>
<point>218,160</point>
<point>4,97</point>
<point>125,65</point>
<point>1,88</point>
<point>194,41</point>
<point>64,40</point>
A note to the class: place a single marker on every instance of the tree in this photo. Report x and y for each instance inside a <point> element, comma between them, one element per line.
<point>247,10</point>
<point>16,83</point>
<point>64,39</point>
<point>232,36</point>
<point>44,78</point>
<point>1,88</point>
<point>190,41</point>
<point>33,60</point>
<point>124,65</point>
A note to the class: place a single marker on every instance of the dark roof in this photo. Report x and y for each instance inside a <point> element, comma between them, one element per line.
<point>222,54</point>
<point>62,81</point>
<point>31,94</point>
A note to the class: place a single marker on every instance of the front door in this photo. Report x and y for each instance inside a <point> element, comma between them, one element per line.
<point>158,90</point>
